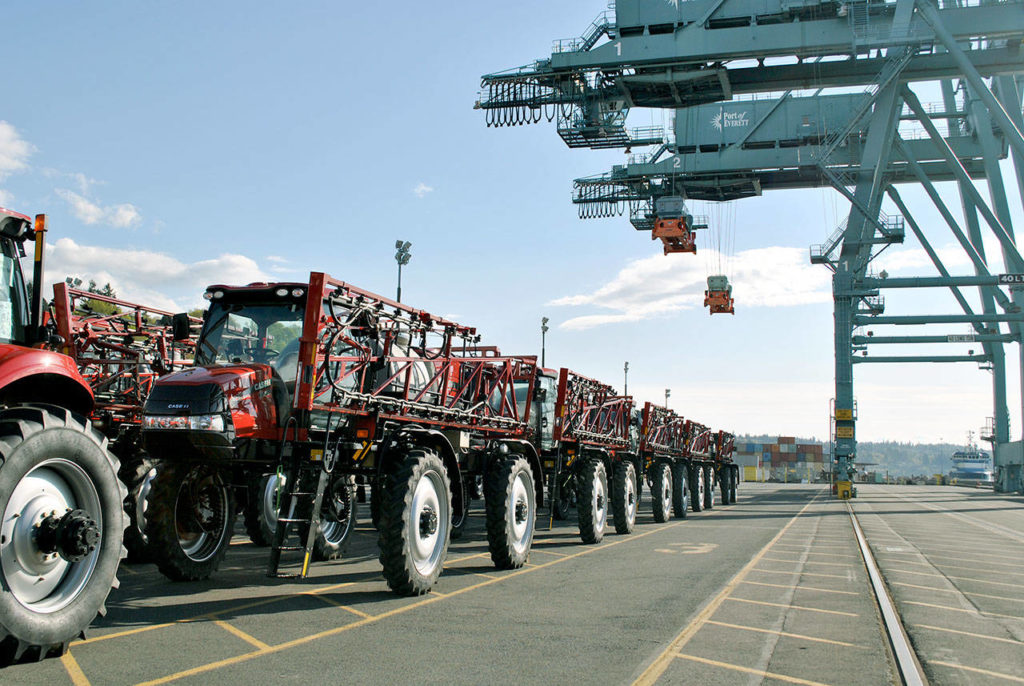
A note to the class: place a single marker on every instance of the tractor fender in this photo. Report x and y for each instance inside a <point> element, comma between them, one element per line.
<point>36,375</point>
<point>529,451</point>
<point>436,441</point>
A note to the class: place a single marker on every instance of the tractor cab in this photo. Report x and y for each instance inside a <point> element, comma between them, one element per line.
<point>675,226</point>
<point>243,380</point>
<point>718,297</point>
<point>15,318</point>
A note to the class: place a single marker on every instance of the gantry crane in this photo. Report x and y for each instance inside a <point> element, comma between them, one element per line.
<point>760,92</point>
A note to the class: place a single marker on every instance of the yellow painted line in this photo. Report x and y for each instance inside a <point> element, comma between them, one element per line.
<point>960,609</point>
<point>127,570</point>
<point>439,594</point>
<point>968,633</point>
<point>212,615</point>
<point>810,562</point>
<point>793,607</point>
<point>74,671</point>
<point>959,554</point>
<point>978,670</point>
<point>802,637</point>
<point>238,659</point>
<point>958,590</point>
<point>449,563</point>
<point>800,588</point>
<point>781,571</point>
<point>661,663</point>
<point>486,576</point>
<point>335,603</point>
<point>808,551</point>
<point>956,578</point>
<point>747,670</point>
<point>547,552</point>
<point>251,640</point>
<point>818,547</point>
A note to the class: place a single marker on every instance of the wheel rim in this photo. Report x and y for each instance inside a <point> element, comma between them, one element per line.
<point>666,493</point>
<point>600,502</point>
<point>142,500</point>
<point>46,582</point>
<point>271,498</point>
<point>336,516</point>
<point>521,513</point>
<point>700,485</point>
<point>631,495</point>
<point>428,525</point>
<point>200,515</point>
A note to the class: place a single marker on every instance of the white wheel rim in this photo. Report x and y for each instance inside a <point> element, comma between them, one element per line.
<point>196,542</point>
<point>631,495</point>
<point>666,494</point>
<point>331,526</point>
<point>700,485</point>
<point>42,582</point>
<point>600,503</point>
<point>522,526</point>
<point>428,541</point>
<point>272,498</point>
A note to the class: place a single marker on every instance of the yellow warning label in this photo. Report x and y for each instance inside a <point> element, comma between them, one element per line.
<point>844,415</point>
<point>844,432</point>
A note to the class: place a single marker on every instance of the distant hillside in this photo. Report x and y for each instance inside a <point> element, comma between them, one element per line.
<point>900,459</point>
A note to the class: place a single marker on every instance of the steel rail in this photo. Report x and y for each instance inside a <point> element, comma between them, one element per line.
<point>909,668</point>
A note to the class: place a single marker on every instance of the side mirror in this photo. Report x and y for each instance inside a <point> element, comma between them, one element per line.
<point>181,326</point>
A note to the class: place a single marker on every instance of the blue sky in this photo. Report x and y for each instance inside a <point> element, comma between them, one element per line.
<point>179,144</point>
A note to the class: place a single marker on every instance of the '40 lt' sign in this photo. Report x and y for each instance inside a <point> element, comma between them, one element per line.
<point>1011,279</point>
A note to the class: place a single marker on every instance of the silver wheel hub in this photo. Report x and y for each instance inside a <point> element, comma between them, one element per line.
<point>44,543</point>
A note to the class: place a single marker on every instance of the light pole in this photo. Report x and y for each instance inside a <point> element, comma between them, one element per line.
<point>668,392</point>
<point>625,379</point>
<point>402,257</point>
<point>543,339</point>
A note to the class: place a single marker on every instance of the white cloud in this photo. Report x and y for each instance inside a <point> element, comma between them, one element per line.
<point>6,198</point>
<point>662,285</point>
<point>14,151</point>
<point>422,190</point>
<point>147,277</point>
<point>120,216</point>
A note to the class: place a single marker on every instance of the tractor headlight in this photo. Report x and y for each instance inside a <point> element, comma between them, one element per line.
<point>199,422</point>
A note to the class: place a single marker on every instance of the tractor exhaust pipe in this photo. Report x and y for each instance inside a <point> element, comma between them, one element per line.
<point>36,321</point>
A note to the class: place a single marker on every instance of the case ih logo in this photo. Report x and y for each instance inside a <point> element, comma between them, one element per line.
<point>730,120</point>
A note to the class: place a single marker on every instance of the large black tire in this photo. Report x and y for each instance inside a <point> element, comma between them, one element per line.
<point>510,500</point>
<point>189,520</point>
<point>338,514</point>
<point>415,522</point>
<point>261,505</point>
<point>661,491</point>
<point>138,477</point>
<point>52,460</point>
<point>680,489</point>
<point>460,508</point>
<point>725,482</point>
<point>697,487</point>
<point>592,507</point>
<point>709,487</point>
<point>625,497</point>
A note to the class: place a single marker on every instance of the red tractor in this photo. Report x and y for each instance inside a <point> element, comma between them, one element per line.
<point>60,498</point>
<point>327,386</point>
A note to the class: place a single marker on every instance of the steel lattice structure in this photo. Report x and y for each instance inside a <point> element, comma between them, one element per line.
<point>761,93</point>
